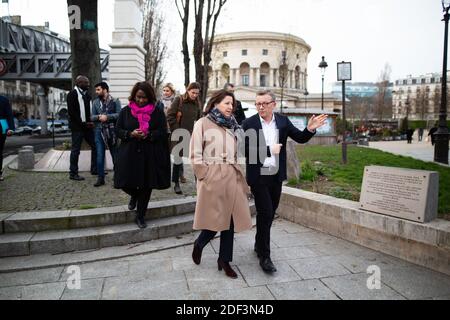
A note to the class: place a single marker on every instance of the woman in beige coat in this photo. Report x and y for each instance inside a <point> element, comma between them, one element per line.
<point>222,203</point>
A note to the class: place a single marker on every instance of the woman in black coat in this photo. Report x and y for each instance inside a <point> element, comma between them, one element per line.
<point>143,159</point>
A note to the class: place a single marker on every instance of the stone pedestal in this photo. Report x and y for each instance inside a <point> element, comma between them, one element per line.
<point>126,62</point>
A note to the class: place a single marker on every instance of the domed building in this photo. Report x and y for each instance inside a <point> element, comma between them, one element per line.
<point>255,61</point>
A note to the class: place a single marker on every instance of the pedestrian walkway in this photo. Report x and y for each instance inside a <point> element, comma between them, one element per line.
<point>418,150</point>
<point>311,265</point>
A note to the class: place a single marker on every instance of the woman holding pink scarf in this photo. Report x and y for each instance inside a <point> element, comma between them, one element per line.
<point>143,159</point>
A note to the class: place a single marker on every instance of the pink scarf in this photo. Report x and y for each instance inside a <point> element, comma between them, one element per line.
<point>142,114</point>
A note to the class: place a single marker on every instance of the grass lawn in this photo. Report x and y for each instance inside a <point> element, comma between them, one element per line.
<point>323,172</point>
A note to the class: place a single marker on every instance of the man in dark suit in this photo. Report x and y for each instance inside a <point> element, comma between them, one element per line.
<point>6,115</point>
<point>79,109</point>
<point>266,164</point>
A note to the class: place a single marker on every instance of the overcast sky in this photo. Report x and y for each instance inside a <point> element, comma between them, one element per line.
<point>407,34</point>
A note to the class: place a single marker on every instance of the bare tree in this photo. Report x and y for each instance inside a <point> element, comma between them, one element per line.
<point>204,33</point>
<point>183,7</point>
<point>381,99</point>
<point>154,43</point>
<point>84,43</point>
<point>420,102</point>
<point>436,101</point>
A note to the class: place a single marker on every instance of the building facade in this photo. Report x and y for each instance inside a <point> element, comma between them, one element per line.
<point>359,89</point>
<point>255,61</point>
<point>418,97</point>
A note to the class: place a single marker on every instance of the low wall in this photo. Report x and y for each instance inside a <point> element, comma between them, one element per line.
<point>426,244</point>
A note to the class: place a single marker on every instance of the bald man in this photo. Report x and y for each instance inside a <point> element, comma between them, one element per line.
<point>79,104</point>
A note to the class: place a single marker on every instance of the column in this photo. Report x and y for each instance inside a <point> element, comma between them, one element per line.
<point>238,77</point>
<point>252,77</point>
<point>277,77</point>
<point>271,80</point>
<point>290,79</point>
<point>258,77</point>
<point>216,80</point>
<point>127,55</point>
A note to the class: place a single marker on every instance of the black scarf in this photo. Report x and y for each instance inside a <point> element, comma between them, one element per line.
<point>218,118</point>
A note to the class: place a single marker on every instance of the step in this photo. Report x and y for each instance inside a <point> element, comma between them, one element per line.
<point>88,238</point>
<point>63,241</point>
<point>99,217</point>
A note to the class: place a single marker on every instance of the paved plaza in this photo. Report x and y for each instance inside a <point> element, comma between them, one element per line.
<point>311,265</point>
<point>418,150</point>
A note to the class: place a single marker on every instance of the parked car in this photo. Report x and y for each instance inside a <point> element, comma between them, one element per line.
<point>20,131</point>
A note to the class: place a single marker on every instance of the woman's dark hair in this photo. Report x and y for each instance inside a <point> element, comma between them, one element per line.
<point>191,86</point>
<point>218,98</point>
<point>148,90</point>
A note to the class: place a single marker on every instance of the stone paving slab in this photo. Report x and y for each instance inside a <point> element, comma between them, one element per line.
<point>90,290</point>
<point>354,287</point>
<point>48,291</point>
<point>312,271</point>
<point>319,267</point>
<point>415,282</point>
<point>24,278</point>
<point>302,290</point>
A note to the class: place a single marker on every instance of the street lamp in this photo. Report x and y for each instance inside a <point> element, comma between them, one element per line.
<point>306,93</point>
<point>323,65</point>
<point>442,134</point>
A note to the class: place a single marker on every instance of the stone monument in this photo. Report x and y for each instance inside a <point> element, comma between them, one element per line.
<point>403,193</point>
<point>126,61</point>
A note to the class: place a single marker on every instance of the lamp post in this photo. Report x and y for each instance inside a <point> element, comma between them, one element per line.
<point>306,93</point>
<point>344,73</point>
<point>442,135</point>
<point>323,66</point>
<point>282,79</point>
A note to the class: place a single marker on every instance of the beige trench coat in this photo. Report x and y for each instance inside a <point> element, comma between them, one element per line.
<point>221,186</point>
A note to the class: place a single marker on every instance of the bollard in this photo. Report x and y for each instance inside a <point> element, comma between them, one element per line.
<point>25,159</point>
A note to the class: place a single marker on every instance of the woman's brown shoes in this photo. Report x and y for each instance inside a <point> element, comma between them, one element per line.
<point>227,268</point>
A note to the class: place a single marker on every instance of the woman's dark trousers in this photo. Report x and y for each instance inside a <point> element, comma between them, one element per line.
<point>226,242</point>
<point>143,198</point>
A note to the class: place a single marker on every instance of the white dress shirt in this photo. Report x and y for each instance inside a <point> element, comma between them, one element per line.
<point>271,135</point>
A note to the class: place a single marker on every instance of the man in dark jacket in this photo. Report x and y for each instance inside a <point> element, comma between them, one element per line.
<point>266,164</point>
<point>239,114</point>
<point>6,127</point>
<point>79,109</point>
<point>105,112</point>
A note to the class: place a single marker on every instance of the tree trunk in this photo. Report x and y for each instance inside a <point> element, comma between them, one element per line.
<point>84,44</point>
<point>185,5</point>
<point>198,42</point>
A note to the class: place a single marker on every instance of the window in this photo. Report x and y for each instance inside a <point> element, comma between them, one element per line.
<point>225,53</point>
<point>423,80</point>
<point>283,54</point>
<point>245,80</point>
<point>298,55</point>
<point>265,52</point>
<point>244,52</point>
<point>405,82</point>
<point>432,80</point>
<point>414,81</point>
<point>263,80</point>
